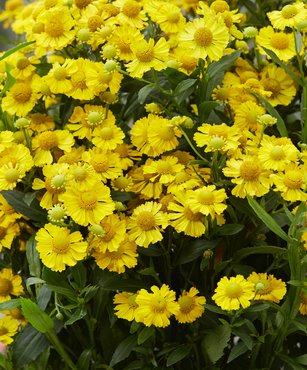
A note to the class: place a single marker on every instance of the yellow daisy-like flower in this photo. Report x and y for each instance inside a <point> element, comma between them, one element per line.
<point>16,314</point>
<point>303,303</point>
<point>9,229</point>
<point>204,38</point>
<point>281,86</point>
<point>6,139</point>
<point>87,205</point>
<point>288,16</point>
<point>157,307</point>
<point>11,9</point>
<point>127,155</point>
<point>249,176</point>
<point>291,183</point>
<point>183,219</point>
<point>40,122</point>
<point>267,287</point>
<point>125,305</point>
<point>234,292</point>
<point>125,256</point>
<point>58,78</point>
<point>246,116</point>
<point>280,42</point>
<point>191,306</point>
<point>184,180</point>
<point>146,224</point>
<point>131,13</point>
<point>163,170</point>
<point>58,248</point>
<point>108,136</point>
<point>10,284</point>
<point>143,185</point>
<point>8,328</point>
<point>147,55</point>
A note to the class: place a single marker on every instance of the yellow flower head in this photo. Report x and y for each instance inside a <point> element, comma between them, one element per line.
<point>156,308</point>
<point>131,13</point>
<point>191,306</point>
<point>8,328</point>
<point>289,16</point>
<point>9,229</point>
<point>10,284</point>
<point>303,302</point>
<point>58,248</point>
<point>267,287</point>
<point>125,305</point>
<point>163,170</point>
<point>246,116</point>
<point>234,292</point>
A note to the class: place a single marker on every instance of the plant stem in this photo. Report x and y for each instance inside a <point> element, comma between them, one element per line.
<point>193,147</point>
<point>53,338</point>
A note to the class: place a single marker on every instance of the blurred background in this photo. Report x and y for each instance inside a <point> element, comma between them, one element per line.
<point>4,33</point>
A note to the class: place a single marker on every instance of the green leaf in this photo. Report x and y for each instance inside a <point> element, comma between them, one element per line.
<point>215,309</point>
<point>33,281</point>
<point>28,345</point>
<point>205,108</point>
<point>9,82</point>
<point>36,317</point>
<point>55,278</point>
<point>43,297</point>
<point>178,354</point>
<point>68,293</point>
<point>266,249</point>
<point>267,219</point>
<point>145,334</point>
<point>113,281</point>
<point>123,350</point>
<point>184,89</point>
<point>16,48</point>
<point>76,316</point>
<point>33,257</point>
<point>290,361</point>
<point>257,307</point>
<point>84,360</point>
<point>216,341</point>
<point>144,92</point>
<point>192,251</point>
<point>229,229</point>
<point>237,351</point>
<point>16,199</point>
<point>9,305</point>
<point>79,274</point>
<point>301,359</point>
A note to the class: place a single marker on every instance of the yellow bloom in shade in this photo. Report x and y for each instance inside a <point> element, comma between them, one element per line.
<point>291,183</point>
<point>143,185</point>
<point>303,303</point>
<point>8,328</point>
<point>234,292</point>
<point>146,224</point>
<point>57,247</point>
<point>246,116</point>
<point>58,79</point>
<point>125,305</point>
<point>163,170</point>
<point>10,284</point>
<point>157,307</point>
<point>288,16</point>
<point>183,219</point>
<point>131,13</point>
<point>9,229</point>
<point>249,176</point>
<point>204,37</point>
<point>280,42</point>
<point>191,306</point>
<point>87,205</point>
<point>267,287</point>
<point>125,256</point>
<point>148,55</point>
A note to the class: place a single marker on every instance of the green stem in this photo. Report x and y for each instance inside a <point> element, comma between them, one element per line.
<point>53,338</point>
<point>193,147</point>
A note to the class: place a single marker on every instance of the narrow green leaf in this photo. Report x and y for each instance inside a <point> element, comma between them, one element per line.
<point>10,80</point>
<point>267,219</point>
<point>266,249</point>
<point>123,350</point>
<point>301,359</point>
<point>145,334</point>
<point>9,305</point>
<point>184,89</point>
<point>257,307</point>
<point>76,316</point>
<point>79,274</point>
<point>33,257</point>
<point>229,229</point>
<point>33,281</point>
<point>215,342</point>
<point>290,361</point>
<point>194,250</point>
<point>68,293</point>
<point>144,92</point>
<point>36,317</point>
<point>205,108</point>
<point>237,351</point>
<point>16,48</point>
<point>84,360</point>
<point>178,354</point>
<point>43,297</point>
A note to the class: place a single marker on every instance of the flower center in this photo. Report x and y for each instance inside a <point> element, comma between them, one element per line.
<point>173,17</point>
<point>303,298</point>
<point>58,181</point>
<point>22,63</point>
<point>293,179</point>
<point>219,6</point>
<point>16,314</point>
<point>191,216</point>
<point>217,142</point>
<point>131,9</point>
<point>164,168</point>
<point>277,153</point>
<point>50,3</point>
<point>60,244</point>
<point>280,41</point>
<point>79,173</point>
<point>48,140</point>
<point>21,93</point>
<point>94,22</point>
<point>50,189</point>
<point>289,11</point>
<point>109,232</point>
<point>57,213</point>
<point>205,197</point>
<point>146,220</point>
<point>82,3</point>
<point>233,290</point>
<point>249,171</point>
<point>100,162</point>
<point>2,232</point>
<point>131,300</point>
<point>12,5</point>
<point>5,287</point>
<point>263,287</point>
<point>106,133</point>
<point>166,133</point>
<point>88,200</point>
<point>181,177</point>
<point>203,36</point>
<point>121,182</point>
<point>12,175</point>
<point>158,304</point>
<point>54,27</point>
<point>272,85</point>
<point>78,80</point>
<point>145,54</point>
<point>228,20</point>
<point>38,27</point>
<point>95,118</point>
<point>186,304</point>
<point>60,73</point>
<point>3,330</point>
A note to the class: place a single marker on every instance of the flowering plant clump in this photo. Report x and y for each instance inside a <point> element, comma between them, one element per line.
<point>153,185</point>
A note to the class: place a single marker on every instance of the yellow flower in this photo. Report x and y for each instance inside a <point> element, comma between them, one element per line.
<point>288,16</point>
<point>125,256</point>
<point>146,224</point>
<point>122,183</point>
<point>234,292</point>
<point>280,42</point>
<point>157,307</point>
<point>10,284</point>
<point>125,305</point>
<point>246,116</point>
<point>248,175</point>
<point>183,219</point>
<point>291,183</point>
<point>303,303</point>
<point>9,229</point>
<point>57,247</point>
<point>191,306</point>
<point>8,328</point>
<point>267,287</point>
<point>143,185</point>
<point>87,205</point>
<point>11,9</point>
<point>108,136</point>
<point>202,38</point>
<point>184,180</point>
<point>163,170</point>
<point>131,13</point>
<point>40,122</point>
<point>167,15</point>
<point>148,55</point>
<point>16,314</point>
<point>127,155</point>
<point>58,78</point>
